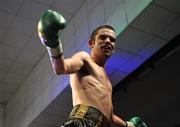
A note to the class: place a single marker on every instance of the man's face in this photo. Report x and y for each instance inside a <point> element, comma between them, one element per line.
<point>104,43</point>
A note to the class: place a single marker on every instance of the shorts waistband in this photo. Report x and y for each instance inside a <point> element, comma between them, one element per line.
<point>83,111</point>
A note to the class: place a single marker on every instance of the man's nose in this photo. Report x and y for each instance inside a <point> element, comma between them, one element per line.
<point>107,39</point>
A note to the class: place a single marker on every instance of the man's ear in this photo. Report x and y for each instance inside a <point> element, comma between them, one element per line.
<point>91,43</point>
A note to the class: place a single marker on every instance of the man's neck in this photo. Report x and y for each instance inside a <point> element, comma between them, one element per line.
<point>99,60</point>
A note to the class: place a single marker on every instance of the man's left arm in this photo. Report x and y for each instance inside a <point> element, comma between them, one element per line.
<point>118,121</point>
<point>133,122</point>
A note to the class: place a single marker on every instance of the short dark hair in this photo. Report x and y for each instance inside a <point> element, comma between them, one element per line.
<point>95,31</point>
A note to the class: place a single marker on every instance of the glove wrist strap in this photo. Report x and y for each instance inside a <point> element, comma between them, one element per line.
<point>129,124</point>
<point>55,52</point>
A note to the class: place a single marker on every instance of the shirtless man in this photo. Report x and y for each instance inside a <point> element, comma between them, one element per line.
<point>91,88</point>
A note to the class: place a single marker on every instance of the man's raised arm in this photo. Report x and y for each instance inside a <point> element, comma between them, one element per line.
<point>49,25</point>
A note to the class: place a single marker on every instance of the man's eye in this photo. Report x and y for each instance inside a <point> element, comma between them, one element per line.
<point>102,37</point>
<point>112,39</point>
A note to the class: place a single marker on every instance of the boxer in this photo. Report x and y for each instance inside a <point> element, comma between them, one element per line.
<point>91,87</point>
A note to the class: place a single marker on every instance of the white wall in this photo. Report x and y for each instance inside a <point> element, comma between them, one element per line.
<point>42,85</point>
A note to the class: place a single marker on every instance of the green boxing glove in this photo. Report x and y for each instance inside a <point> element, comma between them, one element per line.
<point>48,28</point>
<point>136,122</point>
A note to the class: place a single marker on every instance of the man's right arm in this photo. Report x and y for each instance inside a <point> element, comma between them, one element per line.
<point>69,65</point>
<point>48,27</point>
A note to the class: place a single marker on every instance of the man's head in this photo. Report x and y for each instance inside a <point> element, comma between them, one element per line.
<point>102,41</point>
<point>95,31</point>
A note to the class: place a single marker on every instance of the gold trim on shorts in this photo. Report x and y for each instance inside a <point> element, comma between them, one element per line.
<point>81,111</point>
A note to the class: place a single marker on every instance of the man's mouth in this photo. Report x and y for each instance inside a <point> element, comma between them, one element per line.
<point>107,47</point>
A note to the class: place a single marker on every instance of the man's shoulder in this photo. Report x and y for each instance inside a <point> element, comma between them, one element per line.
<point>83,54</point>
